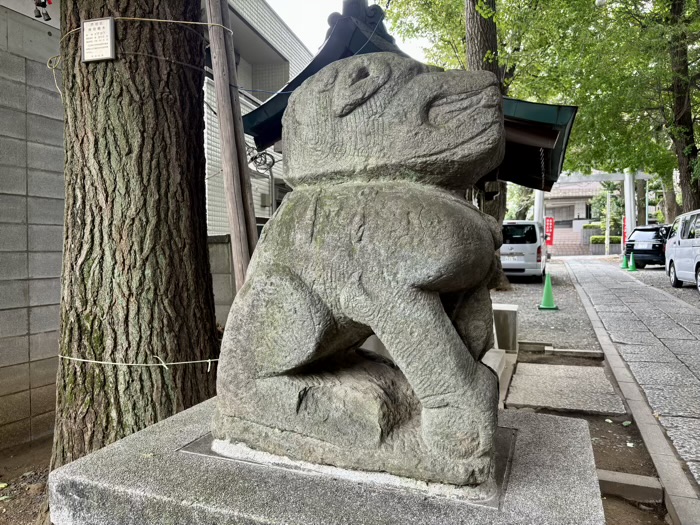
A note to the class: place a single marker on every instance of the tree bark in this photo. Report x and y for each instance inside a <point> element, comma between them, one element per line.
<point>136,282</point>
<point>671,207</point>
<point>640,195</point>
<point>482,54</point>
<point>482,38</point>
<point>682,133</point>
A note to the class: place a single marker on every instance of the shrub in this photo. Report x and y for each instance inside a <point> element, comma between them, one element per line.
<point>600,239</point>
<point>592,226</point>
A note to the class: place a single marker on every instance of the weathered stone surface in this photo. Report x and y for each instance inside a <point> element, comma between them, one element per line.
<point>685,434</point>
<point>633,338</point>
<point>563,388</point>
<point>694,468</point>
<point>682,347</point>
<point>674,400</point>
<point>149,478</point>
<point>373,240</point>
<point>654,354</point>
<point>668,374</point>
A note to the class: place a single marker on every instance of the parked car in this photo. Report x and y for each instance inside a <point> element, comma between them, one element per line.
<point>648,244</point>
<point>683,250</point>
<point>524,250</point>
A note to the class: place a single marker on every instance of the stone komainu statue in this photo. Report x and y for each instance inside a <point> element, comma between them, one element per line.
<point>375,238</point>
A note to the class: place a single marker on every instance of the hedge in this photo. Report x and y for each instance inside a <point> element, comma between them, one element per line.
<point>600,239</point>
<point>592,226</point>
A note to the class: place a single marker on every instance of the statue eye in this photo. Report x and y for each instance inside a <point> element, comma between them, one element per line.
<point>360,74</point>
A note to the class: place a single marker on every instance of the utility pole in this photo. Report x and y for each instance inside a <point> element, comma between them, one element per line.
<point>607,225</point>
<point>539,206</point>
<point>237,187</point>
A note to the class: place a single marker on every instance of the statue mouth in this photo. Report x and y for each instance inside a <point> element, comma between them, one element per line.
<point>444,110</point>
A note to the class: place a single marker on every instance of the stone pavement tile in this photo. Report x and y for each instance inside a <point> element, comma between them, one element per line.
<point>647,312</point>
<point>679,346</point>
<point>684,318</point>
<point>654,354</point>
<point>605,300</point>
<point>672,400</point>
<point>675,333</point>
<point>692,362</point>
<point>694,467</point>
<point>612,308</point>
<point>587,373</point>
<point>659,325</point>
<point>617,316</point>
<point>628,325</point>
<point>633,338</point>
<point>560,394</point>
<point>566,388</point>
<point>663,374</point>
<point>693,329</point>
<point>635,299</point>
<point>685,435</point>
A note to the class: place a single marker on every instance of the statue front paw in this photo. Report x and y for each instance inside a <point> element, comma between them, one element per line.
<point>464,426</point>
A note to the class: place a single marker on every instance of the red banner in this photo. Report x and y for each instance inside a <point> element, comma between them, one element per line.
<point>549,230</point>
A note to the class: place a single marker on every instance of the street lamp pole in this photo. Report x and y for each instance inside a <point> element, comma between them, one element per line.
<point>607,225</point>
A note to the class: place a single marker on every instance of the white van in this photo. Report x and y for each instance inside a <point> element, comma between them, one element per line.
<point>524,250</point>
<point>683,250</point>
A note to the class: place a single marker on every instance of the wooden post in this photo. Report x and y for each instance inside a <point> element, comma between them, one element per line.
<point>243,170</point>
<point>230,151</point>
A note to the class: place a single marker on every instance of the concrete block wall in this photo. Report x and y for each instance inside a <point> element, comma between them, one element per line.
<point>220,259</point>
<point>31,228</point>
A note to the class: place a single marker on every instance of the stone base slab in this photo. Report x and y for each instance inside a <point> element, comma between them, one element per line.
<point>148,478</point>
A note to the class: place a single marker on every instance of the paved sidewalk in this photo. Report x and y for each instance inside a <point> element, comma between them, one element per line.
<point>659,338</point>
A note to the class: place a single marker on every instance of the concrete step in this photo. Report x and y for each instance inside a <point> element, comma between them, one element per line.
<point>495,359</point>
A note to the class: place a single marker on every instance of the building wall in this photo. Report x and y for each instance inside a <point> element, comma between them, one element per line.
<point>579,206</point>
<point>269,78</point>
<point>31,228</point>
<point>264,19</point>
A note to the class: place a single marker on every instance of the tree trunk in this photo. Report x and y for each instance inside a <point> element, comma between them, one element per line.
<point>682,132</point>
<point>482,38</point>
<point>136,282</point>
<point>482,54</point>
<point>641,196</point>
<point>671,208</point>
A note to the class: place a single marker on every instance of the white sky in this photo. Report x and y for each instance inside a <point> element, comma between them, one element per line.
<point>309,20</point>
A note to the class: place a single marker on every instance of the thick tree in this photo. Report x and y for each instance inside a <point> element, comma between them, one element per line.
<point>630,66</point>
<point>136,285</point>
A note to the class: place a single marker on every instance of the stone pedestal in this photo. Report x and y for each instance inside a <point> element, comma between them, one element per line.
<point>166,474</point>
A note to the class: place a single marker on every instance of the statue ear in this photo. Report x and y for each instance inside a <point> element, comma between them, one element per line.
<point>358,82</point>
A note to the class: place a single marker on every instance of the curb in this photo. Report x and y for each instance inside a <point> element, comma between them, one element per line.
<point>680,496</point>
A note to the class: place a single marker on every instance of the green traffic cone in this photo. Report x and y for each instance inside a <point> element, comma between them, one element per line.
<point>548,296</point>
<point>624,262</point>
<point>633,265</point>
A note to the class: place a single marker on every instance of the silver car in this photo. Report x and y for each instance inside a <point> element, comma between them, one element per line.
<point>683,250</point>
<point>524,250</point>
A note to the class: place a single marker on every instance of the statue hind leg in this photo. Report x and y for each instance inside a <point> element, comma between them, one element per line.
<point>278,330</point>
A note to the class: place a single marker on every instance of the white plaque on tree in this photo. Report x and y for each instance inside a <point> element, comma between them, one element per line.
<point>98,39</point>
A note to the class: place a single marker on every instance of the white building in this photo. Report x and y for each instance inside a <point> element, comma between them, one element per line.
<point>268,55</point>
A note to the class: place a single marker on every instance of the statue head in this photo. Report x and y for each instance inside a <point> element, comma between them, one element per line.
<point>382,116</point>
